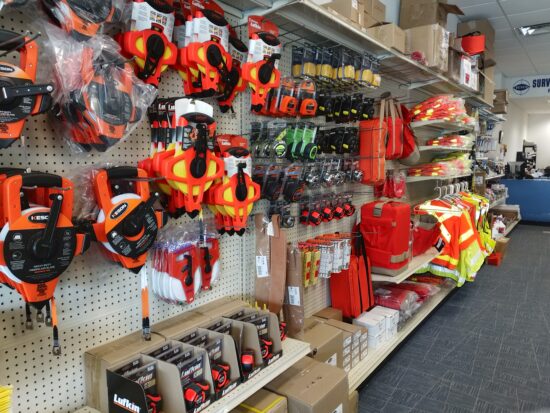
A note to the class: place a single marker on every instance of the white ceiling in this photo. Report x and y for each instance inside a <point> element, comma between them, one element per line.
<point>516,55</point>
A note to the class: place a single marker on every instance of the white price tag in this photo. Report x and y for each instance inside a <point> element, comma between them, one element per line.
<point>261,266</point>
<point>294,296</point>
<point>339,409</point>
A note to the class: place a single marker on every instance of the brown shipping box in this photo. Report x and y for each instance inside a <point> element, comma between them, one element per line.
<point>326,342</point>
<point>353,403</point>
<point>263,401</point>
<point>389,35</point>
<point>502,245</point>
<point>483,26</point>
<point>376,9</point>
<point>313,387</point>
<point>346,8</point>
<point>369,21</point>
<point>415,13</point>
<point>99,359</point>
<point>329,313</point>
<point>502,96</point>
<point>433,42</point>
<point>488,76</point>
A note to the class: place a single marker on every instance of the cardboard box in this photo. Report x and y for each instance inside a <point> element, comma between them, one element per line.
<point>221,307</point>
<point>177,326</point>
<point>468,73</point>
<point>326,342</point>
<point>312,387</point>
<point>97,360</point>
<point>376,9</point>
<point>433,42</point>
<point>483,26</point>
<point>487,78</point>
<point>356,331</point>
<point>502,245</point>
<point>263,401</point>
<point>500,108</point>
<point>369,21</point>
<point>416,13</point>
<point>329,313</point>
<point>353,402</point>
<point>389,35</point>
<point>502,96</point>
<point>346,8</point>
<point>374,323</point>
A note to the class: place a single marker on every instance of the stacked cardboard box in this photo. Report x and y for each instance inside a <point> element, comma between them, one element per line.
<point>374,13</point>
<point>484,27</point>
<point>431,44</point>
<point>390,35</point>
<point>500,104</point>
<point>355,343</point>
<point>416,13</point>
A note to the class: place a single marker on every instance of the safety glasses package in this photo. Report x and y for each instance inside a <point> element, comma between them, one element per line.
<point>100,99</point>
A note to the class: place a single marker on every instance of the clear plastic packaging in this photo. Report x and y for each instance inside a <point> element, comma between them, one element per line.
<point>406,302</point>
<point>423,290</point>
<point>100,100</point>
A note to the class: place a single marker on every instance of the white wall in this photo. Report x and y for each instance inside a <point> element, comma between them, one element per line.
<point>538,131</point>
<point>515,130</point>
<point>392,10</point>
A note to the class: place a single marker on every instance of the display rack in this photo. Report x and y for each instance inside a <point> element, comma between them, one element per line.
<point>411,179</point>
<point>511,227</point>
<point>443,149</point>
<point>498,202</point>
<point>415,264</point>
<point>375,357</point>
<point>490,177</point>
<point>429,128</point>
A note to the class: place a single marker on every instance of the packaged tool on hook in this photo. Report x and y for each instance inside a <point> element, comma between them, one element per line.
<point>148,39</point>
<point>264,51</point>
<point>21,96</point>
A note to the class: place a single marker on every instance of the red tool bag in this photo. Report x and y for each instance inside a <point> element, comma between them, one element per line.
<point>386,230</point>
<point>395,139</point>
<point>372,149</point>
<point>351,290</point>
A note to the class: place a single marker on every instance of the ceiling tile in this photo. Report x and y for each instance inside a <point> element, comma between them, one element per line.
<point>504,35</point>
<point>511,44</point>
<point>463,4</point>
<point>533,17</point>
<point>543,68</point>
<point>483,10</point>
<point>498,23</point>
<point>516,7</point>
<point>541,40</point>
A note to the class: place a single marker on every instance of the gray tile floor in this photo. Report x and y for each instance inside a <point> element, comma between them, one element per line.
<point>486,349</point>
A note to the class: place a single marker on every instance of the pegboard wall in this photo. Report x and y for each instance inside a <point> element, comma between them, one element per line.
<point>97,301</point>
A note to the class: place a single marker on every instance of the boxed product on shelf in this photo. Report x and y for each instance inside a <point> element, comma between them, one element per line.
<point>247,343</point>
<point>376,9</point>
<point>358,333</point>
<point>221,349</point>
<point>349,9</point>
<point>99,359</point>
<point>329,313</point>
<point>415,13</point>
<point>429,45</point>
<point>263,401</point>
<point>177,326</point>
<point>353,402</point>
<point>313,387</point>
<point>376,327</point>
<point>483,26</point>
<point>267,326</point>
<point>221,307</point>
<point>487,84</point>
<point>390,35</point>
<point>392,319</point>
<point>500,108</point>
<point>326,342</point>
<point>502,96</point>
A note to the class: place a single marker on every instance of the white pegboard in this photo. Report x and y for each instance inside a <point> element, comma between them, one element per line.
<point>97,301</point>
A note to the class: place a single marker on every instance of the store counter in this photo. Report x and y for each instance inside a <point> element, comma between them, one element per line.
<point>532,195</point>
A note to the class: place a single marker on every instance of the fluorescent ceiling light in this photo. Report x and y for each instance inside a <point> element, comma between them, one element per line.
<point>534,30</point>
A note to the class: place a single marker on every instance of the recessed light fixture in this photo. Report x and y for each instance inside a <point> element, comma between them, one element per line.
<point>534,30</point>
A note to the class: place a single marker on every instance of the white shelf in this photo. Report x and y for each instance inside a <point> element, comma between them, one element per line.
<point>498,202</point>
<point>429,128</point>
<point>415,264</point>
<point>510,227</point>
<point>305,21</point>
<point>431,178</point>
<point>293,351</point>
<point>488,178</point>
<point>375,357</point>
<point>443,149</point>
